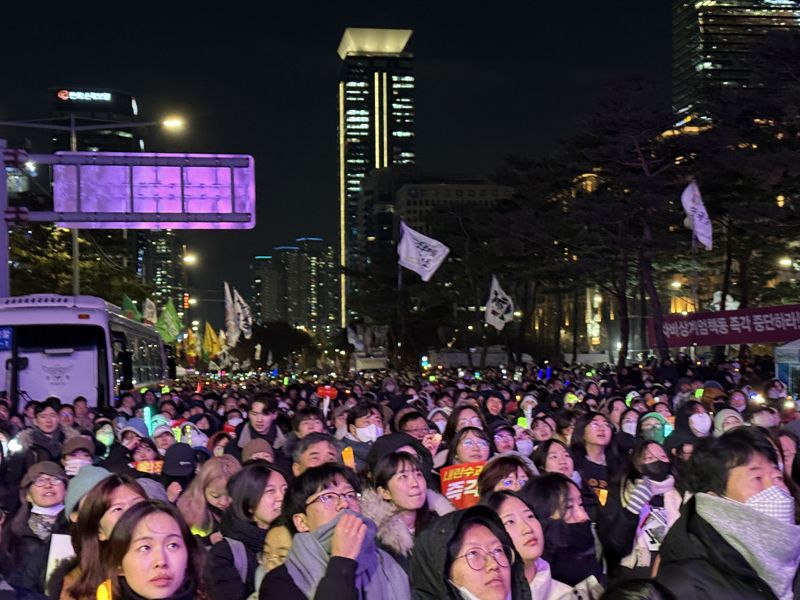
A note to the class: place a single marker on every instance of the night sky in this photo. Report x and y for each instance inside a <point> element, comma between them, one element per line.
<point>260,79</point>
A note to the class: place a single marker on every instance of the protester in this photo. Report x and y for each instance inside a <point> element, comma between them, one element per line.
<point>509,472</point>
<point>257,494</point>
<point>526,532</point>
<point>98,511</point>
<point>26,537</point>
<point>642,505</point>
<point>334,553</point>
<point>399,503</point>
<point>737,536</point>
<point>569,541</point>
<point>468,554</point>
<point>469,445</point>
<point>152,555</point>
<point>206,498</point>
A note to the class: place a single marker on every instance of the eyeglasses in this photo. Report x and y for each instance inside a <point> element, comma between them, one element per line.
<point>503,436</point>
<point>474,421</point>
<point>329,499</point>
<point>416,430</point>
<point>473,443</point>
<point>477,558</point>
<point>507,483</point>
<point>599,425</point>
<point>44,481</point>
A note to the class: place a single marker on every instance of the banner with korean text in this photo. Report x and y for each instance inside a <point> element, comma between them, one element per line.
<point>765,325</point>
<point>460,484</point>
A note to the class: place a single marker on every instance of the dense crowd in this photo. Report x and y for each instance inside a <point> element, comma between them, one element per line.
<point>665,480</point>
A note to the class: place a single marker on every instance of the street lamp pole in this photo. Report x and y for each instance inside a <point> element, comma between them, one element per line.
<point>76,250</point>
<point>174,123</point>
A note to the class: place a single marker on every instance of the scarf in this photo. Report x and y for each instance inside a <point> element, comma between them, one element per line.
<point>42,524</point>
<point>378,576</point>
<point>643,544</point>
<point>769,546</point>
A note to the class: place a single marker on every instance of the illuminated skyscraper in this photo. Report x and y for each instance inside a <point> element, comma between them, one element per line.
<point>376,126</point>
<point>712,40</point>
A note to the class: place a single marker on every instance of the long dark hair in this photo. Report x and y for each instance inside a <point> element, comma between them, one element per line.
<point>87,545</point>
<point>120,541</point>
<point>578,442</point>
<point>539,455</point>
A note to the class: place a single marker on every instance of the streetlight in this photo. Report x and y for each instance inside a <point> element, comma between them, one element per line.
<point>190,259</point>
<point>785,262</point>
<point>171,123</point>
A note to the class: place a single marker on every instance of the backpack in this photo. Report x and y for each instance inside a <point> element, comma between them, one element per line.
<point>239,557</point>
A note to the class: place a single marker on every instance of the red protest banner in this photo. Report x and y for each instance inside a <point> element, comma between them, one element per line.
<point>769,324</point>
<point>460,483</point>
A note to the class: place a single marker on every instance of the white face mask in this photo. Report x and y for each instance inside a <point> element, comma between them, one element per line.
<point>47,511</point>
<point>525,447</point>
<point>774,502</point>
<point>370,433</point>
<point>234,421</point>
<point>440,425</point>
<point>73,465</point>
<point>629,428</point>
<point>701,423</point>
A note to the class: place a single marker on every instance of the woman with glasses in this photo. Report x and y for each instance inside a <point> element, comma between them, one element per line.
<point>334,555</point>
<point>257,493</point>
<point>400,503</point>
<point>26,538</point>
<point>526,532</point>
<point>468,555</point>
<point>505,472</point>
<point>469,445</point>
<point>464,415</point>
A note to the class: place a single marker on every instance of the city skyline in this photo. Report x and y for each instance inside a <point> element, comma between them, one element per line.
<point>489,83</point>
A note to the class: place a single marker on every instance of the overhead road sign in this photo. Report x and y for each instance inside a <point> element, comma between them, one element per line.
<point>119,190</point>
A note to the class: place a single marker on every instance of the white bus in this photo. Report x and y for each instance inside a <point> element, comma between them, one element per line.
<point>68,346</point>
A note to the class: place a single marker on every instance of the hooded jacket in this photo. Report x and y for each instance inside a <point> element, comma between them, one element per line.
<point>698,562</point>
<point>393,535</point>
<point>429,569</point>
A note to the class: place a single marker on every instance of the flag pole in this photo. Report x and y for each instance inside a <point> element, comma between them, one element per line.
<point>401,326</point>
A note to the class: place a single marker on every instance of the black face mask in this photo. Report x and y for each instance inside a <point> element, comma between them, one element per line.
<point>215,510</point>
<point>575,536</point>
<point>657,471</point>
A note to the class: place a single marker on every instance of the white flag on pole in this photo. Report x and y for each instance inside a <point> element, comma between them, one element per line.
<point>232,331</point>
<point>499,306</point>
<point>244,316</point>
<point>420,253</point>
<point>150,314</point>
<point>695,209</point>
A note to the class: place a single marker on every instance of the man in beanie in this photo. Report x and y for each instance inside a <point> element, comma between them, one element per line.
<point>42,441</point>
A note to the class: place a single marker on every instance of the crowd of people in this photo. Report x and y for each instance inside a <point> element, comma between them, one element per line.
<point>661,481</point>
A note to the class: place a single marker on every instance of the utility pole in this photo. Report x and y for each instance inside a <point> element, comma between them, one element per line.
<point>76,251</point>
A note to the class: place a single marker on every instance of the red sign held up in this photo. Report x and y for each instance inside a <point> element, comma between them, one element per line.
<point>460,484</point>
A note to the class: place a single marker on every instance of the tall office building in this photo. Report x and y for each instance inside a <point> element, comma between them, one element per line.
<point>376,126</point>
<point>296,284</point>
<point>712,40</point>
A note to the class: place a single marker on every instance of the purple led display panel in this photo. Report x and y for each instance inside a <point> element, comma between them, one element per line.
<point>154,191</point>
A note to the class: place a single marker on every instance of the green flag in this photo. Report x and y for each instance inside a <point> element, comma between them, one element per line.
<point>169,325</point>
<point>129,309</point>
